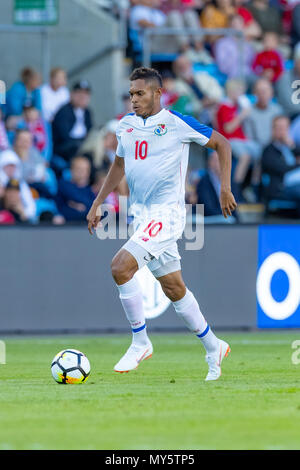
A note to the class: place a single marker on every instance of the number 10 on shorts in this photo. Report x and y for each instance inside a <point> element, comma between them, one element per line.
<point>153,228</point>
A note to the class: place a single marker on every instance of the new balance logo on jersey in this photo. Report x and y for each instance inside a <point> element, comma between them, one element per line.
<point>129,130</point>
<point>161,130</point>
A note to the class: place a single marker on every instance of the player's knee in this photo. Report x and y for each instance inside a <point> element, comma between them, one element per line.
<point>121,271</point>
<point>174,291</point>
<point>117,270</point>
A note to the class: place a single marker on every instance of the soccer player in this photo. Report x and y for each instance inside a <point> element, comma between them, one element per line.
<point>153,149</point>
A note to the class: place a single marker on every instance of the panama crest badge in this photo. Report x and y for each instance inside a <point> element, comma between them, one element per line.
<point>161,129</point>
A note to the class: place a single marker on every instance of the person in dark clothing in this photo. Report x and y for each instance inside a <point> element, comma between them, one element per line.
<point>209,187</point>
<point>11,202</point>
<point>72,122</point>
<point>281,163</point>
<point>295,33</point>
<point>75,197</point>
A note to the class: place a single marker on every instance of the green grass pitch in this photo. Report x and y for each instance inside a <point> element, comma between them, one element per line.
<point>164,404</point>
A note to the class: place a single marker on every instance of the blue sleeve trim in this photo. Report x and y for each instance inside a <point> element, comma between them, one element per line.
<point>194,124</point>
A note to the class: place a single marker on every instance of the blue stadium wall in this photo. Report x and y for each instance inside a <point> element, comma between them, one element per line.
<point>58,279</point>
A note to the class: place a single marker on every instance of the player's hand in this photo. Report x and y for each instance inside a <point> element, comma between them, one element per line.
<point>227,202</point>
<point>93,217</point>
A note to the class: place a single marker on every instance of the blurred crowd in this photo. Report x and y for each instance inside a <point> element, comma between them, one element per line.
<point>53,159</point>
<point>243,82</point>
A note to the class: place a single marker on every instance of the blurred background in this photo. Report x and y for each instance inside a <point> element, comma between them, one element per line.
<point>232,64</point>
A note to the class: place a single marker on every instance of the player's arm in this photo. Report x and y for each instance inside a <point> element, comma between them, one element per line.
<point>111,181</point>
<point>221,145</point>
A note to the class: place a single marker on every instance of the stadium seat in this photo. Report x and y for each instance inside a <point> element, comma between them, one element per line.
<point>45,205</point>
<point>274,205</point>
<point>213,70</point>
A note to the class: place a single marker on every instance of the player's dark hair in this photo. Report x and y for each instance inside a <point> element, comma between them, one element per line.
<point>147,74</point>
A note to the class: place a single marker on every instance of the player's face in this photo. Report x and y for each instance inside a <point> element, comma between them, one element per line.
<point>145,97</point>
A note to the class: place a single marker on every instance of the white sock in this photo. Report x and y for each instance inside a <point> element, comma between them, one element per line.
<point>131,298</point>
<point>188,309</point>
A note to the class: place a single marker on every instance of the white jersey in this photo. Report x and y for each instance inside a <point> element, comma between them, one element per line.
<point>156,153</point>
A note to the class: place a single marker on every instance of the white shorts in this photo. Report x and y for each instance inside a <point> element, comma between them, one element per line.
<point>154,241</point>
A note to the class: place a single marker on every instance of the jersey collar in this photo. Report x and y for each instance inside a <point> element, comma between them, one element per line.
<point>153,117</point>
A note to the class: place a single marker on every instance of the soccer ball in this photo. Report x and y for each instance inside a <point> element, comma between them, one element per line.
<point>70,367</point>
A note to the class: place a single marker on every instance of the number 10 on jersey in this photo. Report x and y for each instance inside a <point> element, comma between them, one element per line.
<point>141,150</point>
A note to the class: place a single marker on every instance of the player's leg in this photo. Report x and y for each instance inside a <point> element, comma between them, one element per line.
<point>187,307</point>
<point>124,265</point>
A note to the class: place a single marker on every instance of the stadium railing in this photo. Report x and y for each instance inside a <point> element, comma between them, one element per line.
<point>148,34</point>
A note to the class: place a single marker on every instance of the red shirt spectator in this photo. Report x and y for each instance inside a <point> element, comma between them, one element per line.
<point>269,62</point>
<point>227,112</point>
<point>245,14</point>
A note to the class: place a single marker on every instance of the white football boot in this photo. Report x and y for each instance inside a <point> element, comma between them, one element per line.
<point>133,356</point>
<point>214,360</point>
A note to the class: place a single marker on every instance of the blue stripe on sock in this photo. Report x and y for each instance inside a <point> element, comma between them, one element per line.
<point>136,330</point>
<point>204,332</point>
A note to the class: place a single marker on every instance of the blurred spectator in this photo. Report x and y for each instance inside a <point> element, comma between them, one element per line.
<point>209,186</point>
<point>55,93</point>
<point>25,92</point>
<point>126,106</point>
<point>72,122</point>
<point>34,123</point>
<point>112,198</point>
<point>230,119</point>
<point>145,14</point>
<point>251,28</point>
<point>75,197</point>
<point>281,162</point>
<point>4,142</point>
<point>10,168</point>
<point>181,14</point>
<point>267,16</point>
<point>200,88</point>
<point>110,144</point>
<point>295,131</point>
<point>233,57</point>
<point>33,165</point>
<point>217,14</point>
<point>11,124</point>
<point>295,30</point>
<point>258,125</point>
<point>169,95</point>
<point>269,63</point>
<point>171,13</point>
<point>107,146</point>
<point>199,55</point>
<point>11,203</point>
<point>285,87</point>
